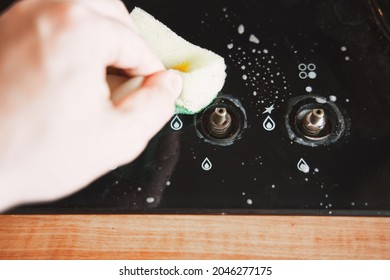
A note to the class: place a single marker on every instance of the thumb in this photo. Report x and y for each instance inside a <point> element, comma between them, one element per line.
<point>148,101</point>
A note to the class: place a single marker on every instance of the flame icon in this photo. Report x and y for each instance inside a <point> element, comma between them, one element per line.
<point>176,123</point>
<point>303,166</point>
<point>206,164</point>
<point>268,124</point>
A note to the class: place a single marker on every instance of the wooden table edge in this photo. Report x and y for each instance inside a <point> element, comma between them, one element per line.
<point>193,237</point>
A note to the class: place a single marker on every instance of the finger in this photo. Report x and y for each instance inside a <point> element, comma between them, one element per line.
<point>106,35</point>
<point>127,86</point>
<point>113,9</point>
<point>120,46</point>
<point>151,105</point>
<point>115,81</point>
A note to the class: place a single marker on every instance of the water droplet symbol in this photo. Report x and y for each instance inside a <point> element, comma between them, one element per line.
<point>206,164</point>
<point>268,124</point>
<point>303,166</point>
<point>176,123</point>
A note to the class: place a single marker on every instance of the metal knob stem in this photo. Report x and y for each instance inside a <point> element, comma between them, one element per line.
<point>314,122</point>
<point>219,122</point>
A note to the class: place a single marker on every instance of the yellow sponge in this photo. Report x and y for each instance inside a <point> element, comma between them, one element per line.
<point>202,71</point>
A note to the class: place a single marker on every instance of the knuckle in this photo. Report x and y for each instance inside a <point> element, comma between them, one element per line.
<point>67,10</point>
<point>18,8</point>
<point>66,14</point>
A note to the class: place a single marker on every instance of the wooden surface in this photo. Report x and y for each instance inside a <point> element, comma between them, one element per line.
<point>193,237</point>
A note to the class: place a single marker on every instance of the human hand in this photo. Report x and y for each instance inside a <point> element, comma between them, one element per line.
<point>60,126</point>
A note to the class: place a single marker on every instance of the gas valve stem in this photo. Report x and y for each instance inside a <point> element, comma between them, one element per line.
<point>219,122</point>
<point>314,122</point>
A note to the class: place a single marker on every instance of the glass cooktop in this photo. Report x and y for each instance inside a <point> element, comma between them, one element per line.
<point>303,118</point>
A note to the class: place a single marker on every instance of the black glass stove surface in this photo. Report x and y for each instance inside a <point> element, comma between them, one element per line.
<point>284,58</point>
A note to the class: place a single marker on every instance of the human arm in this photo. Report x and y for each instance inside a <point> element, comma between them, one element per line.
<point>59,126</point>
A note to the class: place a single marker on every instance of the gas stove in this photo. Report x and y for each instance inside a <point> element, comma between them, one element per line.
<point>307,97</point>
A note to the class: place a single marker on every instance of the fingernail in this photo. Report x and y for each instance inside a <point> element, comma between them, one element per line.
<point>177,83</point>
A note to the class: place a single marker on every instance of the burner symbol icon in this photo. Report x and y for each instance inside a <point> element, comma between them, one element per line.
<point>269,124</point>
<point>206,164</point>
<point>176,123</point>
<point>303,166</point>
<point>307,70</point>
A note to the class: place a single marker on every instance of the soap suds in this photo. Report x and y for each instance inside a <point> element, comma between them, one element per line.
<point>241,29</point>
<point>150,199</point>
<point>254,39</point>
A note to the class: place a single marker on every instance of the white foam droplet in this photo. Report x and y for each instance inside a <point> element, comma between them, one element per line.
<point>150,199</point>
<point>254,39</point>
<point>332,98</point>
<point>347,58</point>
<point>321,100</point>
<point>241,29</point>
<point>265,51</point>
<point>244,77</point>
<point>249,201</point>
<point>309,89</point>
<point>343,48</point>
<point>168,183</point>
<point>230,46</point>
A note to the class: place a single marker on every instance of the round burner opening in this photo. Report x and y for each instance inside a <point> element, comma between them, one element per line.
<point>222,122</point>
<point>314,121</point>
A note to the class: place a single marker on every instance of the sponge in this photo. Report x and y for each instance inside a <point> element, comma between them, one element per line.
<point>202,71</point>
